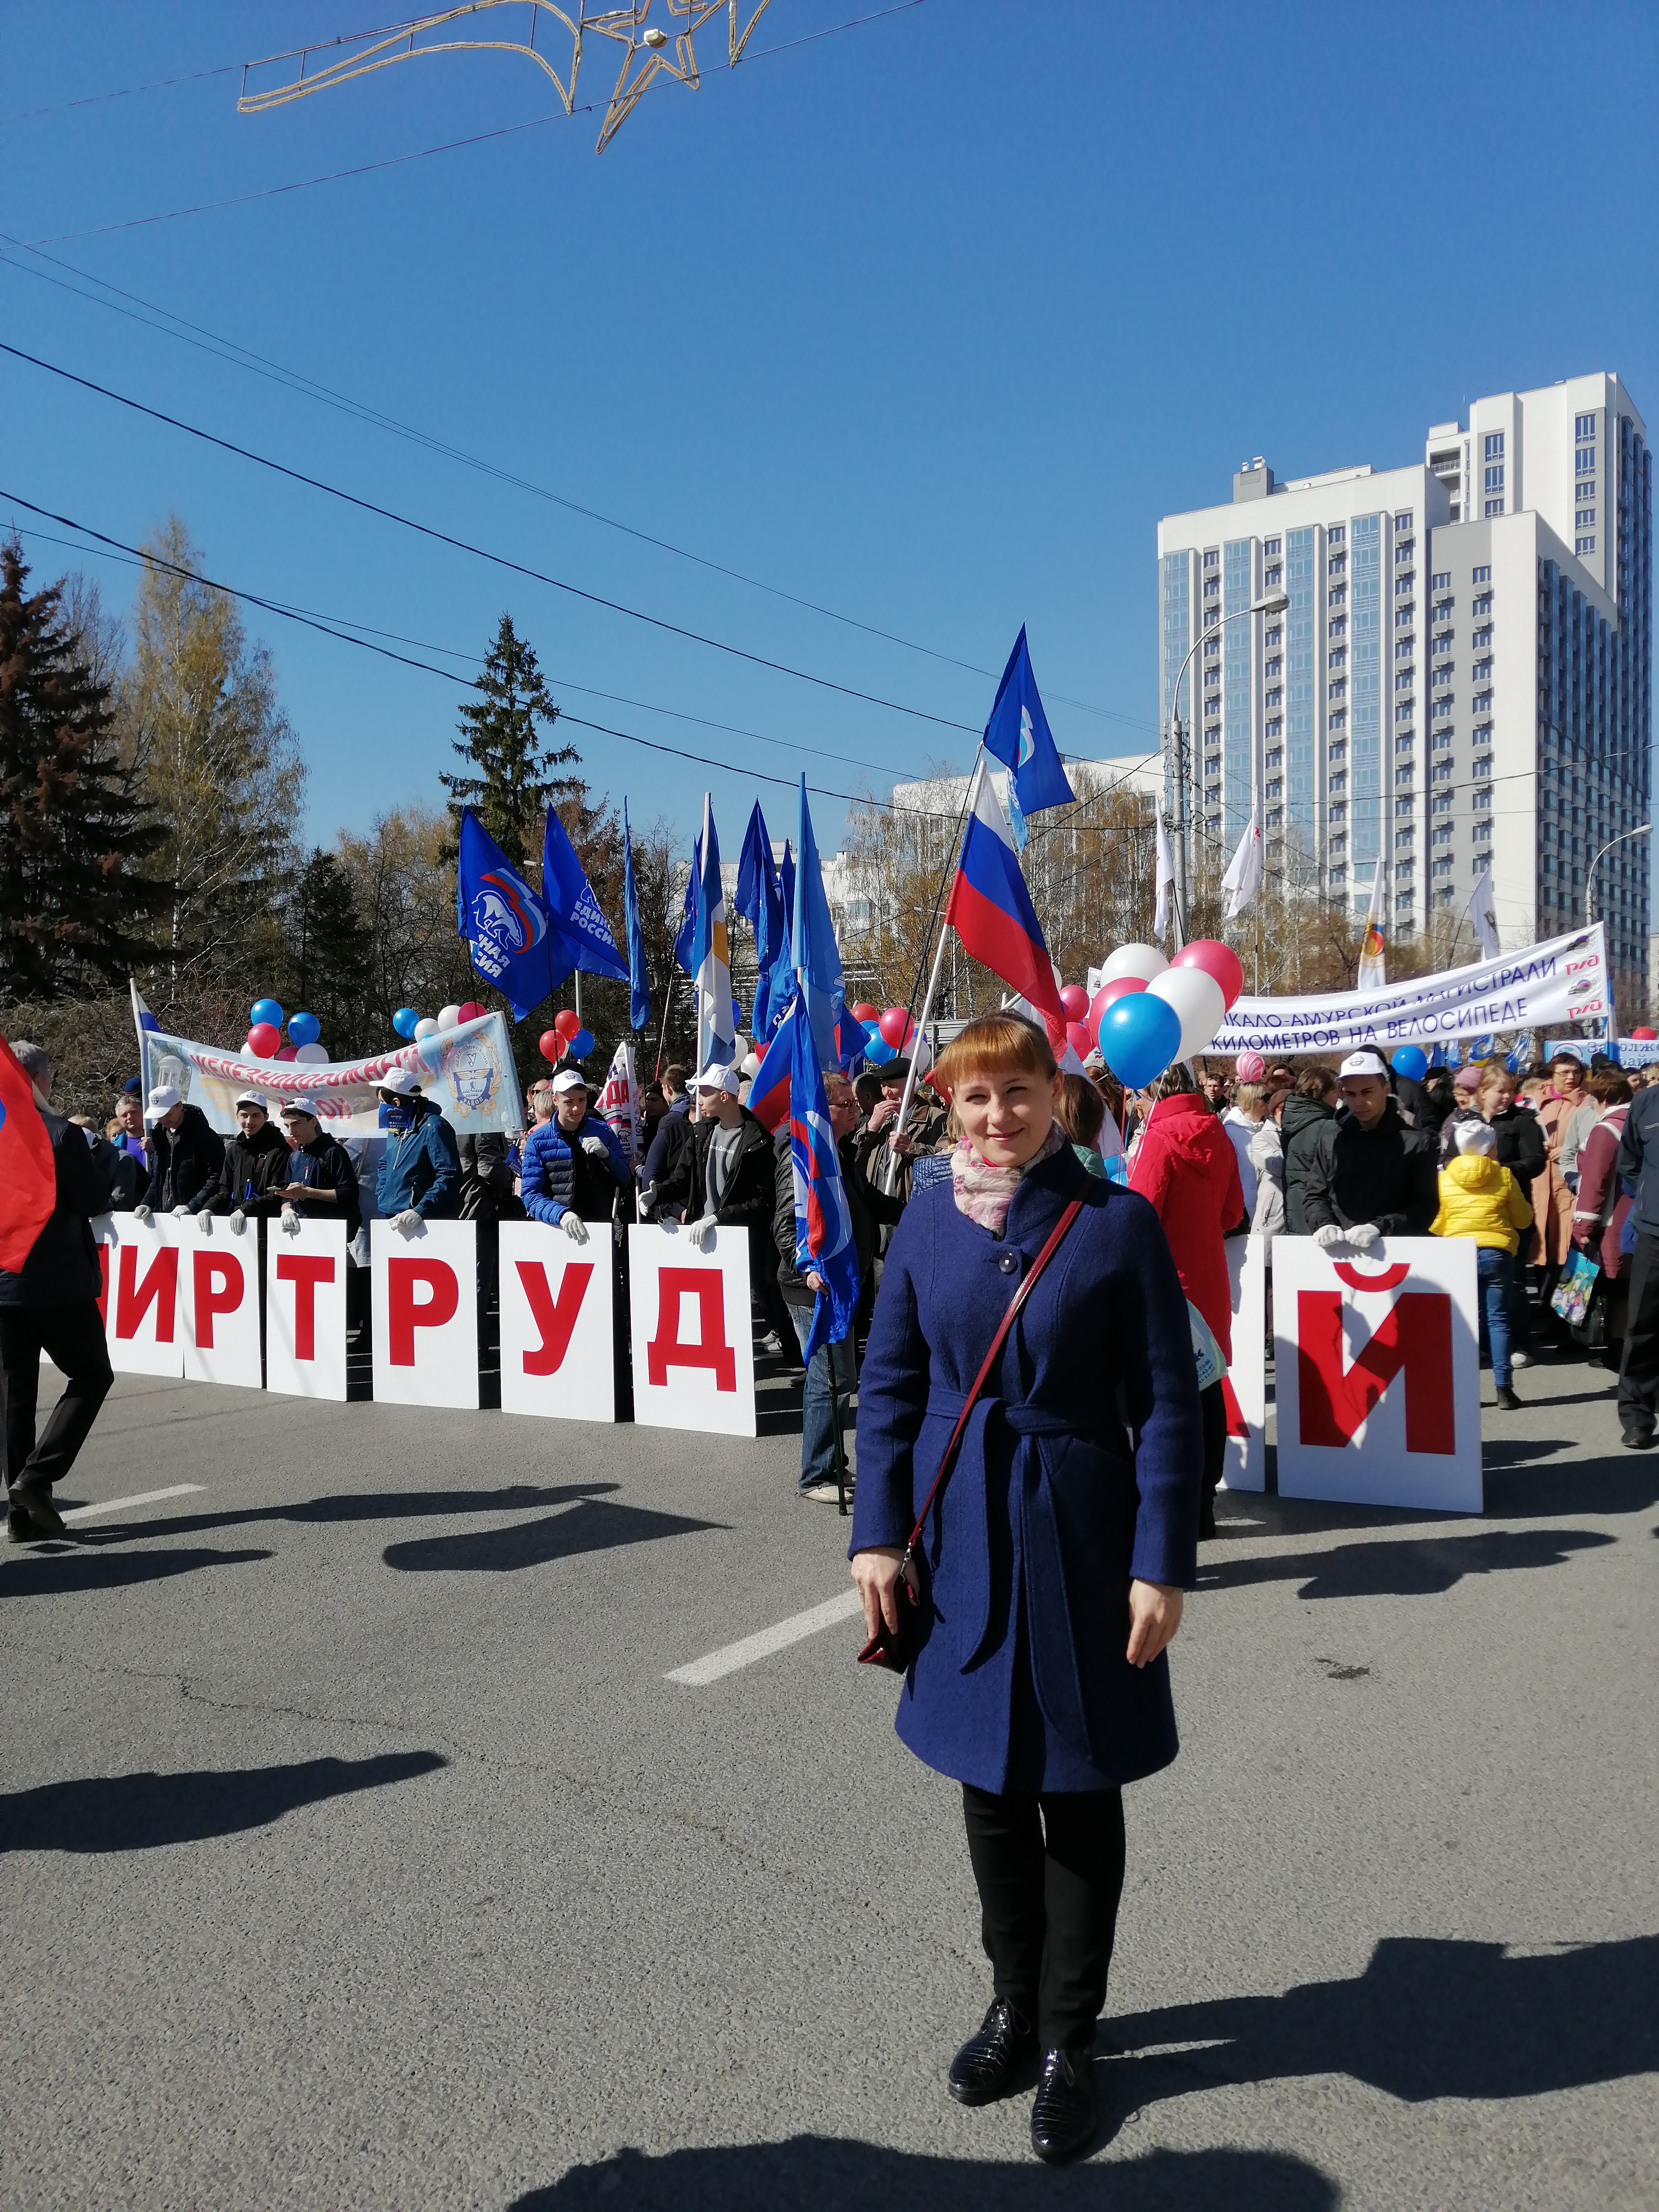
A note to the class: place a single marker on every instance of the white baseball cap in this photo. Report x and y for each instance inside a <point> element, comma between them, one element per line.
<point>300,1106</point>
<point>567,1079</point>
<point>1364,1063</point>
<point>254,1098</point>
<point>717,1078</point>
<point>162,1100</point>
<point>403,1080</point>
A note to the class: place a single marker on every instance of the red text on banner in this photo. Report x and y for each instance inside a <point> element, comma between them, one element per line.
<point>405,1314</point>
<point>159,1287</point>
<point>555,1317</point>
<point>219,1284</point>
<point>666,1349</point>
<point>305,1270</point>
<point>1414,1338</point>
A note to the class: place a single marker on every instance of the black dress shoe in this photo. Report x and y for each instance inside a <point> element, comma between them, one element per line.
<point>1637,1437</point>
<point>34,1505</point>
<point>1065,2115</point>
<point>990,2064</point>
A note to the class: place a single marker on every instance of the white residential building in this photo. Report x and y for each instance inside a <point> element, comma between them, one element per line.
<point>1464,672</point>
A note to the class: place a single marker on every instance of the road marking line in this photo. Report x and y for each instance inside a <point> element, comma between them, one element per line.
<point>143,1498</point>
<point>767,1641</point>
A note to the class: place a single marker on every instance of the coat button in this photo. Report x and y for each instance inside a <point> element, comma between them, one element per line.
<point>1009,1263</point>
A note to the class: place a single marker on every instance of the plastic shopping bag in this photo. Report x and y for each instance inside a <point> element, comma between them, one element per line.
<point>1571,1296</point>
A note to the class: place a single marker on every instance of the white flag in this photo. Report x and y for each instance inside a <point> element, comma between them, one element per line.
<point>619,1101</point>
<point>1166,869</point>
<point>1483,914</point>
<point>1244,877</point>
<point>1373,967</point>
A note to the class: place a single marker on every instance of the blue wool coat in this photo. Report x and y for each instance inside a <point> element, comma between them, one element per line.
<point>1080,1470</point>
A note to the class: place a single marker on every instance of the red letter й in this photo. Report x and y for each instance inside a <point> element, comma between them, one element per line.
<point>405,1317</point>
<point>218,1289</point>
<point>555,1319</point>
<point>133,1299</point>
<point>708,1286</point>
<point>1415,1336</point>
<point>305,1270</point>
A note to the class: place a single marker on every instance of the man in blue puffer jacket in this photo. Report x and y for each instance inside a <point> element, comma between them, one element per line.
<point>420,1177</point>
<point>574,1165</point>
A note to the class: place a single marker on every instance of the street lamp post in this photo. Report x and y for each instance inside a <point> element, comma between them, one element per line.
<point>1641,829</point>
<point>1175,743</point>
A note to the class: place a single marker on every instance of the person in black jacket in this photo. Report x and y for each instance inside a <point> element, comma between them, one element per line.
<point>318,1181</point>
<point>1310,1109</point>
<point>867,1207</point>
<point>186,1156</point>
<point>255,1158</point>
<point>1369,1176</point>
<point>659,1171</point>
<point>1637,1168</point>
<point>724,1179</point>
<point>51,1305</point>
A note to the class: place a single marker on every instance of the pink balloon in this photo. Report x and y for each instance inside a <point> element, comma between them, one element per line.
<point>1081,1038</point>
<point>288,1052</point>
<point>471,1010</point>
<point>1216,959</point>
<point>1106,996</point>
<point>1075,1001</point>
<point>263,1039</point>
<point>897,1027</point>
<point>1249,1067</point>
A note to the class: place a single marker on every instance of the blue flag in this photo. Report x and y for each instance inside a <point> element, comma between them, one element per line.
<point>813,953</point>
<point>780,985</point>
<point>823,1222</point>
<point>1520,1052</point>
<point>568,898</point>
<point>682,959</point>
<point>711,958</point>
<point>639,1002</point>
<point>760,901</point>
<point>1018,734</point>
<point>516,944</point>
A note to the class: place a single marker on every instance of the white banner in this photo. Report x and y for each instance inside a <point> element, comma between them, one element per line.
<point>306,1309</point>
<point>558,1355</point>
<point>467,1071</point>
<point>1245,1387</point>
<point>1563,981</point>
<point>425,1296</point>
<point>1377,1371</point>
<point>694,1346</point>
<point>140,1261</point>
<point>219,1304</point>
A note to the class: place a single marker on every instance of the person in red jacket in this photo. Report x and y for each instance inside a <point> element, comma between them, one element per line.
<point>1185,1163</point>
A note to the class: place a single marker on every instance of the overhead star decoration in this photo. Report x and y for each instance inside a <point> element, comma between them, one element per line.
<point>647,57</point>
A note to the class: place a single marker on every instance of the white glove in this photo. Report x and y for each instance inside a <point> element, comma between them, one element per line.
<point>596,1147</point>
<point>407,1222</point>
<point>573,1226</point>
<point>181,1213</point>
<point>702,1232</point>
<point>1364,1234</point>
<point>1327,1236</point>
<point>238,1222</point>
<point>648,1196</point>
<point>290,1222</point>
<point>140,1211</point>
<point>205,1222</point>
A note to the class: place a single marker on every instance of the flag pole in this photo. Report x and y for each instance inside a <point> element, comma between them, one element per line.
<point>920,1029</point>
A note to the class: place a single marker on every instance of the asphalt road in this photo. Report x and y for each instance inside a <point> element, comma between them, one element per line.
<point>359,1852</point>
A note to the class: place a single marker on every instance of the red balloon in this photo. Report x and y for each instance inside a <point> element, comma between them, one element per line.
<point>1075,1001</point>
<point>864,1011</point>
<point>263,1039</point>
<point>1105,996</point>
<point>1215,959</point>
<point>567,1022</point>
<point>897,1027</point>
<point>1081,1038</point>
<point>288,1052</point>
<point>472,1010</point>
<point>550,1045</point>
<point>1644,1033</point>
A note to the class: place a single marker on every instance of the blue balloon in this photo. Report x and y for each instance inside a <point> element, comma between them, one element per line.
<point>1412,1062</point>
<point>265,1010</point>
<point>303,1028</point>
<point>580,1045</point>
<point>403,1021</point>
<point>1140,1035</point>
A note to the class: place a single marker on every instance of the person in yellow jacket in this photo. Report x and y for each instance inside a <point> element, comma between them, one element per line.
<point>1480,1199</point>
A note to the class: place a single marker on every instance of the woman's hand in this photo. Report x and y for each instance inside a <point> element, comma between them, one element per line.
<point>1154,1617</point>
<point>875,1573</point>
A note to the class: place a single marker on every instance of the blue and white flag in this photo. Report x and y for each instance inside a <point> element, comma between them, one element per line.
<point>711,958</point>
<point>1018,734</point>
<point>1520,1051</point>
<point>823,1222</point>
<point>516,944</point>
<point>781,987</point>
<point>760,901</point>
<point>813,952</point>
<point>638,1001</point>
<point>568,898</point>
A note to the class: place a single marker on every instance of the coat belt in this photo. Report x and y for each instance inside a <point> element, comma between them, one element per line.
<point>1026,1420</point>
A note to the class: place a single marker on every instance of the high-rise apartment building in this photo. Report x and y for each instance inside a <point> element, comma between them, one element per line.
<point>1464,672</point>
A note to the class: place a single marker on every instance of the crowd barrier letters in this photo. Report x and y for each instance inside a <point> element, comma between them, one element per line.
<point>694,1350</point>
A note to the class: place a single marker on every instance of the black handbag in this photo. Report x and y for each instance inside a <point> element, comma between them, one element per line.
<point>896,1647</point>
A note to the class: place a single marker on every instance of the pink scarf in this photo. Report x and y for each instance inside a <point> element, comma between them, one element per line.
<point>985,1193</point>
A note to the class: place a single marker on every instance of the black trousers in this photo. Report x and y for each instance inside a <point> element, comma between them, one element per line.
<point>1638,1368</point>
<point>72,1337</point>
<point>1212,1404</point>
<point>1049,1872</point>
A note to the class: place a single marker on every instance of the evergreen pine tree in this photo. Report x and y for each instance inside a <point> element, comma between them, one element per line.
<point>328,951</point>
<point>512,765</point>
<point>72,905</point>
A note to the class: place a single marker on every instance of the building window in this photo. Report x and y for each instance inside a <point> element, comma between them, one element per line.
<point>1405,549</point>
<point>1584,518</point>
<point>1403,776</point>
<point>1269,548</point>
<point>1480,576</point>
<point>1494,447</point>
<point>1404,840</point>
<point>1583,546</point>
<point>1483,604</point>
<point>1336,533</point>
<point>1404,743</point>
<point>1441,581</point>
<point>1402,522</point>
<point>1584,461</point>
<point>1583,426</point>
<point>1213,587</point>
<point>1494,507</point>
<point>1212,559</point>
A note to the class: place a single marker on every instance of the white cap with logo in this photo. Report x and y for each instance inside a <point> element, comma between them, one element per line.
<point>1364,1063</point>
<point>717,1078</point>
<point>162,1100</point>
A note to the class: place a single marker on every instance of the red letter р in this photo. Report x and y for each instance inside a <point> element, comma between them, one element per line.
<point>133,1299</point>
<point>218,1291</point>
<point>556,1320</point>
<point>305,1270</point>
<point>1415,1336</point>
<point>708,1286</point>
<point>405,1317</point>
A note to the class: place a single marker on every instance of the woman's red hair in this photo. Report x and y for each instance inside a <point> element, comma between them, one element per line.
<point>996,1044</point>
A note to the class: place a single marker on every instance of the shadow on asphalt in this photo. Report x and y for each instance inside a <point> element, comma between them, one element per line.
<point>1429,2017</point>
<point>360,1506</point>
<point>1629,1484</point>
<point>142,1812</point>
<point>1420,1567</point>
<point>592,1525</point>
<point>57,1572</point>
<point>814,2174</point>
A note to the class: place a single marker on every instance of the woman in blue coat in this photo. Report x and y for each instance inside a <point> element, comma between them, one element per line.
<point>1053,1565</point>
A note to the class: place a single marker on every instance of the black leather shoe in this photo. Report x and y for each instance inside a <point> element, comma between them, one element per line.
<point>991,2063</point>
<point>1637,1438</point>
<point>1065,2115</point>
<point>34,1505</point>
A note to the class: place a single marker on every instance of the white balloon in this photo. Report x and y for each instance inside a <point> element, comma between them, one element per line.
<point>748,1065</point>
<point>448,1018</point>
<point>427,1028</point>
<point>1145,961</point>
<point>1200,1001</point>
<point>311,1056</point>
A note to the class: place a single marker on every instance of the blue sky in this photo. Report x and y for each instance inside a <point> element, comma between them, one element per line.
<point>927,321</point>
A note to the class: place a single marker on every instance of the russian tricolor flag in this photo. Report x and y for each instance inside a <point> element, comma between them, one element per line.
<point>769,1094</point>
<point>991,909</point>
